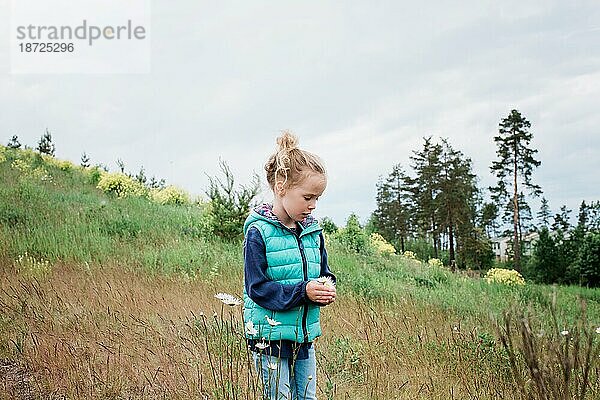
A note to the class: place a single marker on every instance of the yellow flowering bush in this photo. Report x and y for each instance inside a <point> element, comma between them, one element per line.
<point>169,195</point>
<point>2,153</point>
<point>120,185</point>
<point>381,245</point>
<point>410,255</point>
<point>63,165</point>
<point>435,262</point>
<point>504,276</point>
<point>27,170</point>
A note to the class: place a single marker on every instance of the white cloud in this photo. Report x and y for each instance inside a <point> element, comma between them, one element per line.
<point>360,83</point>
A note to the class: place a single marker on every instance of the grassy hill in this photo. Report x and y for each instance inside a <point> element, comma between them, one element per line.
<point>111,297</point>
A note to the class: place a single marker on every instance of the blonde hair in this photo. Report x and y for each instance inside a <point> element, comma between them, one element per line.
<point>290,164</point>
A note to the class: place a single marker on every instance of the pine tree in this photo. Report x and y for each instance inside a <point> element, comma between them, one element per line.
<point>121,165</point>
<point>562,222</point>
<point>392,215</point>
<point>488,218</point>
<point>141,176</point>
<point>588,260</point>
<point>545,266</point>
<point>329,227</point>
<point>583,216</point>
<point>229,206</point>
<point>594,216</point>
<point>85,160</point>
<point>515,160</point>
<point>456,195</point>
<point>544,214</point>
<point>426,187</point>
<point>45,145</point>
<point>14,143</point>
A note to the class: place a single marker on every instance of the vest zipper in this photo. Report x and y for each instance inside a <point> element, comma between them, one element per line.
<point>305,272</point>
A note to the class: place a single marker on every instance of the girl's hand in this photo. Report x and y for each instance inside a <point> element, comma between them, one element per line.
<point>320,293</point>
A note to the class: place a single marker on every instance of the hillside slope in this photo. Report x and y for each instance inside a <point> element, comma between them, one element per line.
<point>113,297</point>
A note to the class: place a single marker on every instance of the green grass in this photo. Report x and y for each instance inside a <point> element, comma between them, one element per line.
<point>393,312</point>
<point>67,219</point>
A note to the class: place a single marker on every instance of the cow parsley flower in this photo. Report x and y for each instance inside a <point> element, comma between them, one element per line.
<point>326,280</point>
<point>598,330</point>
<point>272,322</point>
<point>564,333</point>
<point>272,366</point>
<point>261,345</point>
<point>250,329</point>
<point>228,299</point>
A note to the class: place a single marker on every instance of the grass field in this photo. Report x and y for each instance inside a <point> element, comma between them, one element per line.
<point>102,297</point>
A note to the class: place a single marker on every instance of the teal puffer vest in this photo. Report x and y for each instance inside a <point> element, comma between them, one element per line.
<point>290,260</point>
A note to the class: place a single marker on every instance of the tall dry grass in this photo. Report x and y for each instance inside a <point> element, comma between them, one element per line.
<point>113,333</point>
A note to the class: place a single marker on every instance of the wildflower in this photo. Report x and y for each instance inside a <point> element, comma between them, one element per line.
<point>504,276</point>
<point>250,329</point>
<point>228,299</point>
<point>327,281</point>
<point>272,322</point>
<point>564,333</point>
<point>272,366</point>
<point>598,330</point>
<point>261,345</point>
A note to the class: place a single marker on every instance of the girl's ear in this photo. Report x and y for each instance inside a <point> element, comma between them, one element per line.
<point>279,189</point>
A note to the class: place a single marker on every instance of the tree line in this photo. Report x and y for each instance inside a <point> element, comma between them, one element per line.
<point>434,207</point>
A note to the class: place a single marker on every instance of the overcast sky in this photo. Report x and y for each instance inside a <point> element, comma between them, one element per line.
<point>361,83</point>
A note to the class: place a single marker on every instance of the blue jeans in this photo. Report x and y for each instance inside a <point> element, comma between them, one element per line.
<point>286,378</point>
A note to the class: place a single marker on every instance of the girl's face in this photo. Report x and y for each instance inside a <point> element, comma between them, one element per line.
<point>300,200</point>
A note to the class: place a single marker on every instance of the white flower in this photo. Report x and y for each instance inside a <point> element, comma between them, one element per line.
<point>228,299</point>
<point>250,329</point>
<point>261,345</point>
<point>272,366</point>
<point>326,280</point>
<point>564,333</point>
<point>598,330</point>
<point>272,322</point>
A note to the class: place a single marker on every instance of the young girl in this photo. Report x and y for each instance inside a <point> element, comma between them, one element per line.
<point>286,276</point>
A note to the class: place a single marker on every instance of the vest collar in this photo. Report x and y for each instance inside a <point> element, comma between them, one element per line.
<point>265,212</point>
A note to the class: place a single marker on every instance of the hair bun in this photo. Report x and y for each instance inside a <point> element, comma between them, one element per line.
<point>287,141</point>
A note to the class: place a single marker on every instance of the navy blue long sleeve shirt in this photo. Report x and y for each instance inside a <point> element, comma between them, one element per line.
<point>274,295</point>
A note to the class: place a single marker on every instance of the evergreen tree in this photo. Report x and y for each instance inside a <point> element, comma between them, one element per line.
<point>329,227</point>
<point>121,165</point>
<point>544,214</point>
<point>588,261</point>
<point>594,216</point>
<point>545,265</point>
<point>229,206</point>
<point>583,216</point>
<point>85,160</point>
<point>14,143</point>
<point>455,197</point>
<point>141,176</point>
<point>488,219</point>
<point>515,160</point>
<point>354,237</point>
<point>562,222</point>
<point>45,145</point>
<point>426,187</point>
<point>392,215</point>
